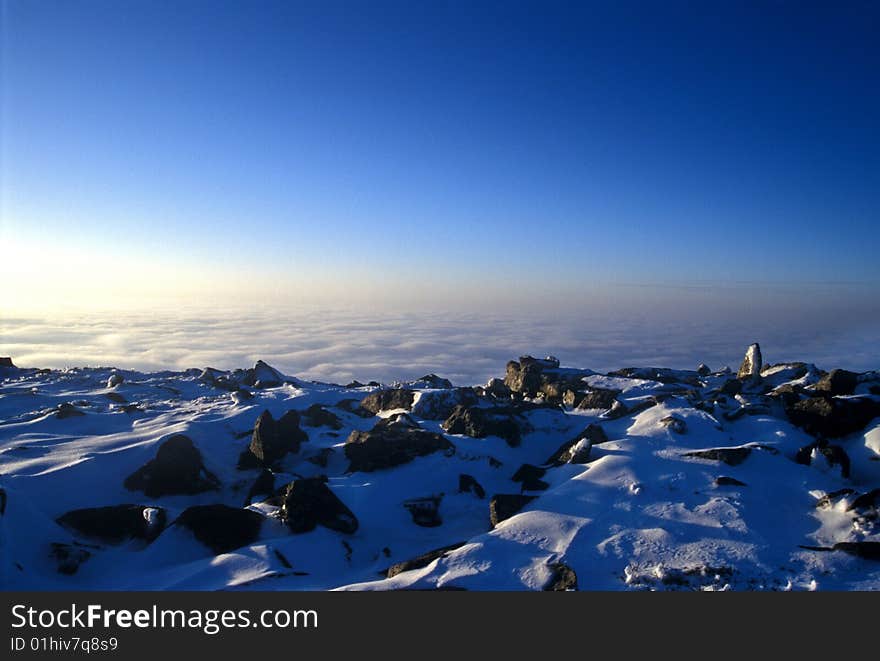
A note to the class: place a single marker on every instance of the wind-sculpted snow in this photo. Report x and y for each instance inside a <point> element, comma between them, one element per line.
<point>685,480</point>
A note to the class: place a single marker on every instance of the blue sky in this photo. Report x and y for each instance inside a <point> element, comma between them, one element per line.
<point>325,146</point>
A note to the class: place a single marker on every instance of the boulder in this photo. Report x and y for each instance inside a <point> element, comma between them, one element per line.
<point>263,375</point>
<point>577,450</point>
<point>221,528</point>
<point>354,406</point>
<point>114,380</point>
<point>317,416</point>
<point>674,424</point>
<point>730,456</point>
<point>725,481</point>
<point>116,524</point>
<point>562,578</point>
<point>468,484</point>
<point>504,505</point>
<point>482,422</point>
<point>273,439</point>
<point>425,511</point>
<point>621,410</point>
<point>6,361</point>
<point>838,382</point>
<point>116,398</point>
<point>431,381</point>
<point>264,485</point>
<point>69,557</point>
<point>834,455</point>
<point>497,388</point>
<point>67,410</point>
<point>309,502</point>
<point>389,445</point>
<point>420,561</point>
<point>833,417</point>
<point>865,502</point>
<point>387,400</point>
<point>176,469</point>
<point>530,477</point>
<point>598,398</point>
<point>751,365</point>
<point>703,370</point>
<point>439,404</point>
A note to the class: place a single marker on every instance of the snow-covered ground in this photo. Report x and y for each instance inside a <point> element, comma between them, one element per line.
<point>650,508</point>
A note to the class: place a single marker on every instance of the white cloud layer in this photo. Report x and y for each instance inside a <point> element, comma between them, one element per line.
<point>466,347</point>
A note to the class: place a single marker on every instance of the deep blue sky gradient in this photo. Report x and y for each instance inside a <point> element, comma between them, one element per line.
<point>574,142</point>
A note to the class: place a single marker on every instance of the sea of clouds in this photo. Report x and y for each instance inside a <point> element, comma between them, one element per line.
<point>468,347</point>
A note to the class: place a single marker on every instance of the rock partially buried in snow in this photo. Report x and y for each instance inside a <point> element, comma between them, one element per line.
<point>468,484</point>
<point>833,417</point>
<point>116,524</point>
<point>309,502</point>
<point>674,424</point>
<point>596,398</point>
<point>703,370</point>
<point>425,511</point>
<point>530,477</point>
<point>177,469</point>
<point>439,404</point>
<point>221,528</point>
<point>502,506</point>
<point>389,445</point>
<point>115,379</point>
<point>388,400</point>
<point>577,450</point>
<point>730,456</point>
<point>838,382</point>
<point>67,410</point>
<point>273,439</point>
<point>479,422</point>
<point>263,375</point>
<point>317,416</point>
<point>6,361</point>
<point>562,579</point>
<point>751,364</point>
<point>69,556</point>
<point>420,561</point>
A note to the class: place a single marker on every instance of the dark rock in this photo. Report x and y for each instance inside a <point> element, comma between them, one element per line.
<point>309,502</point>
<point>425,512</point>
<point>481,422</point>
<point>494,463</point>
<point>504,505</point>
<point>6,361</point>
<point>867,501</point>
<point>838,382</point>
<point>389,445</point>
<point>177,469</point>
<point>703,370</point>
<point>322,457</point>
<point>531,377</point>
<point>433,381</point>
<point>530,477</point>
<point>69,556</point>
<point>828,499</point>
<point>421,561</point>
<point>468,484</point>
<point>788,393</point>
<point>317,416</point>
<point>354,406</point>
<point>831,417</point>
<point>386,400</point>
<point>263,375</point>
<point>725,481</point>
<point>498,389</point>
<point>354,384</point>
<point>3,501</point>
<point>751,365</point>
<point>674,424</point>
<point>273,439</point>
<point>598,398</point>
<point>730,456</point>
<point>221,528</point>
<point>67,410</point>
<point>115,379</point>
<point>439,404</point>
<point>116,524</point>
<point>563,579</point>
<point>731,387</point>
<point>131,408</point>
<point>621,410</point>
<point>837,456</point>
<point>116,398</point>
<point>264,485</point>
<point>659,374</point>
<point>866,550</point>
<point>577,450</point>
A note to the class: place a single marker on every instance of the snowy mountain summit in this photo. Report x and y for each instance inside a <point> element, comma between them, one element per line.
<point>550,478</point>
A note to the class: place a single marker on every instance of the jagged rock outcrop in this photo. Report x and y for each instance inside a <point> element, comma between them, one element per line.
<point>838,382</point>
<point>309,502</point>
<point>833,417</point>
<point>389,445</point>
<point>577,450</point>
<point>318,416</point>
<point>479,422</point>
<point>751,365</point>
<point>272,439</point>
<point>439,404</point>
<point>176,469</point>
<point>388,400</point>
